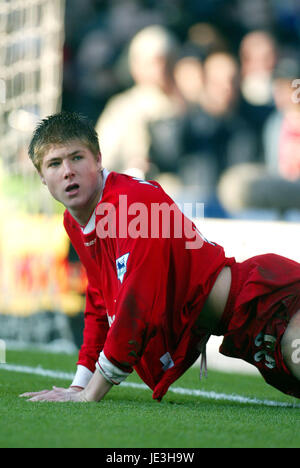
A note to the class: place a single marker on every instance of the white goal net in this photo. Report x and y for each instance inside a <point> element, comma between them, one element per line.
<point>31,46</point>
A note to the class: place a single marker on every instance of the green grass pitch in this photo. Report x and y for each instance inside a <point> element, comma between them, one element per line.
<point>129,418</point>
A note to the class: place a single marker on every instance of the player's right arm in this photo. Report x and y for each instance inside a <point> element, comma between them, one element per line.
<point>94,336</point>
<point>95,317</point>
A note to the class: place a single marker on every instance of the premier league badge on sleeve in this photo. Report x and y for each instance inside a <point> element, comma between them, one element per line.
<point>122,266</point>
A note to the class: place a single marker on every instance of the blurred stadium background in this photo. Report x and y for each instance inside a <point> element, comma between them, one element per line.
<point>201,95</point>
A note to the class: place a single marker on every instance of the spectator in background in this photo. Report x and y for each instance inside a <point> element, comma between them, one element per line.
<point>140,127</point>
<point>188,74</point>
<point>258,57</point>
<point>202,40</point>
<point>221,84</point>
<point>216,137</point>
<point>273,185</point>
<point>282,130</point>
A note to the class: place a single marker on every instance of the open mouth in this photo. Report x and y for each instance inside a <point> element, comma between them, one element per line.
<point>72,188</point>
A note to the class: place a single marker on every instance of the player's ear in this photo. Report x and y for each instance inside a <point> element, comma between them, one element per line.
<point>42,178</point>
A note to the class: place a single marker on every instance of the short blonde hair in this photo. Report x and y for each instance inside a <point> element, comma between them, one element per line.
<point>59,129</point>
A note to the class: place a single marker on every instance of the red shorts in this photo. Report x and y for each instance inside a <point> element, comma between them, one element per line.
<point>265,294</point>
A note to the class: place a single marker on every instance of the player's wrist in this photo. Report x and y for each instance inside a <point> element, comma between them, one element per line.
<point>96,389</point>
<point>87,397</point>
<point>82,397</point>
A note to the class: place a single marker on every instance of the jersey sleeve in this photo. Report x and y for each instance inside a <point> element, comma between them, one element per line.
<point>95,329</point>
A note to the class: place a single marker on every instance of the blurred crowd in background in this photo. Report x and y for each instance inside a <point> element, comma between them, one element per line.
<point>201,95</point>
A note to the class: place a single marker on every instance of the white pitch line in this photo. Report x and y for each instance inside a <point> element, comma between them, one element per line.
<point>37,371</point>
<point>177,390</point>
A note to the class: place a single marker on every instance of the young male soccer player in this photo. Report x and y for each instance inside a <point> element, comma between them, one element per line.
<point>156,288</point>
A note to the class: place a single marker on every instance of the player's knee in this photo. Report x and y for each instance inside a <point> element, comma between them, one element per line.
<point>290,346</point>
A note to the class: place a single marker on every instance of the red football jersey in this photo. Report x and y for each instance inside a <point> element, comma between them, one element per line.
<point>150,272</point>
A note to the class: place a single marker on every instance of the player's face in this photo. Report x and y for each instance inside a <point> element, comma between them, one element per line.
<point>73,177</point>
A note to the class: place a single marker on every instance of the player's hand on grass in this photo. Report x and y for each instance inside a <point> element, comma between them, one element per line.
<point>96,389</point>
<point>57,394</point>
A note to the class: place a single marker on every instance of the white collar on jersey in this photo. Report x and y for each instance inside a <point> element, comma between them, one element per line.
<point>91,225</point>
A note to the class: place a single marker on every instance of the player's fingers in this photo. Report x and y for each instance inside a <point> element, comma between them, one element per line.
<point>42,392</point>
<point>49,396</point>
<point>37,398</point>
<point>31,394</point>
